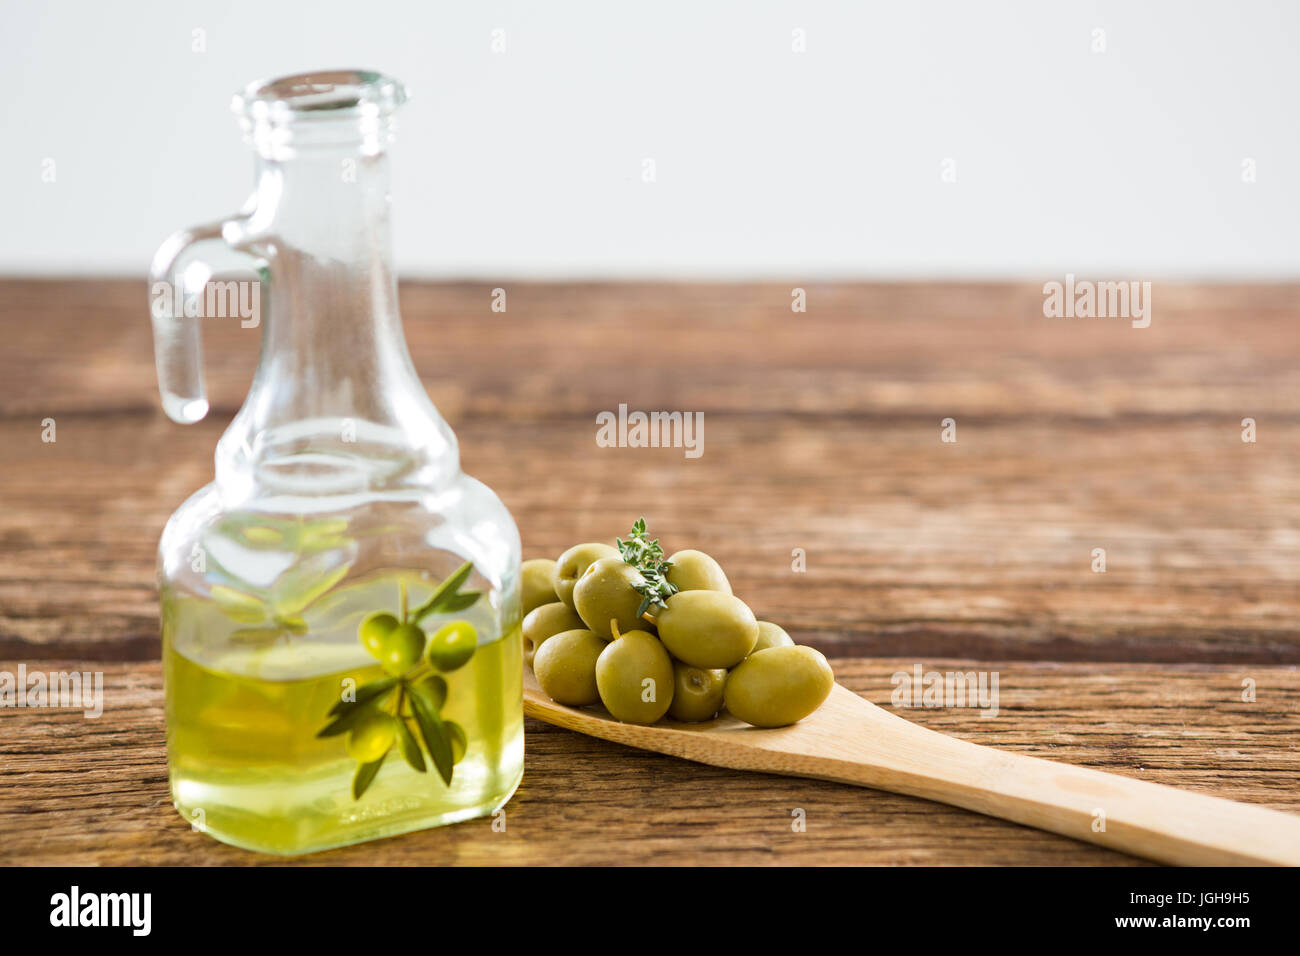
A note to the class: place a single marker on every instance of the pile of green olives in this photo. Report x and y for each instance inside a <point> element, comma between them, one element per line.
<point>688,657</point>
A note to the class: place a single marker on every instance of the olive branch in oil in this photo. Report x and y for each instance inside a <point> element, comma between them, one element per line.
<point>647,557</point>
<point>381,713</point>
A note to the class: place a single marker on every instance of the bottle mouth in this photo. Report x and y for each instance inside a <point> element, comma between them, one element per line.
<point>324,108</point>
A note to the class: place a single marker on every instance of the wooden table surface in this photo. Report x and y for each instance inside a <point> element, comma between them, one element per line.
<point>822,433</point>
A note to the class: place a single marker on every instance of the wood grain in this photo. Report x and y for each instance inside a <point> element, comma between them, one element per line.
<point>95,791</point>
<point>822,434</point>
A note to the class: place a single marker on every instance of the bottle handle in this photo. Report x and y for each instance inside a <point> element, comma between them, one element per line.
<point>178,279</point>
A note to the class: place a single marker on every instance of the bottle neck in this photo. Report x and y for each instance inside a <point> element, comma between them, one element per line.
<point>335,402</point>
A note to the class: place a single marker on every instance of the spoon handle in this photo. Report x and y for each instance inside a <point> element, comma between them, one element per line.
<point>850,740</point>
<point>1145,819</point>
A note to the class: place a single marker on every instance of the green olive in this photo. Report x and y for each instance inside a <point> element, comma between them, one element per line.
<point>374,629</point>
<point>434,691</point>
<point>459,741</point>
<point>565,666</point>
<point>574,563</point>
<point>779,685</point>
<point>770,635</point>
<point>452,645</point>
<point>536,578</point>
<point>634,676</point>
<point>371,736</point>
<point>696,571</point>
<point>605,593</point>
<point>707,628</point>
<point>547,621</point>
<point>401,648</point>
<point>697,692</point>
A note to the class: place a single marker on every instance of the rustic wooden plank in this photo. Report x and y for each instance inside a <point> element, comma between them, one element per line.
<point>76,791</point>
<point>879,351</point>
<point>822,433</point>
<point>913,546</point>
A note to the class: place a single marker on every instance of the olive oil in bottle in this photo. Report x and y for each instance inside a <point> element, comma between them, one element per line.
<point>332,674</point>
<point>245,706</point>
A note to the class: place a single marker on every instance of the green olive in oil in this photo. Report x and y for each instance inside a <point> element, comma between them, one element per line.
<point>247,707</point>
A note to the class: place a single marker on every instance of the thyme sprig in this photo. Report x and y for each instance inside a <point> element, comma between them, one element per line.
<point>645,554</point>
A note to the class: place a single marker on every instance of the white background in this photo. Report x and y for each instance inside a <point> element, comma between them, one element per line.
<point>769,163</point>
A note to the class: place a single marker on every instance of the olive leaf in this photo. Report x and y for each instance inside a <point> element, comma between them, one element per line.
<point>262,535</point>
<point>253,529</point>
<point>458,602</point>
<point>366,693</point>
<point>239,606</point>
<point>410,749</point>
<point>257,635</point>
<point>327,533</point>
<point>447,594</point>
<point>345,721</point>
<point>435,736</point>
<point>364,776</point>
<point>295,590</point>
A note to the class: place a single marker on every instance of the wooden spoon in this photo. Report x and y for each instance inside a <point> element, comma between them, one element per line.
<point>851,740</point>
